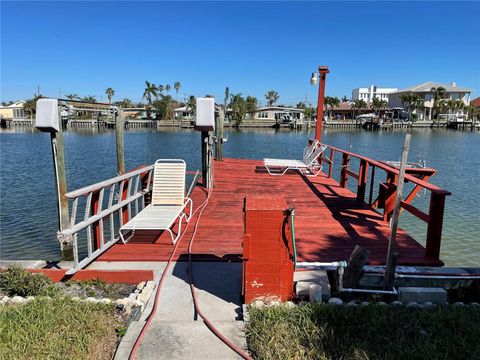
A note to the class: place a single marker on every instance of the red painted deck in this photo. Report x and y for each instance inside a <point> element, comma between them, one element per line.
<point>329,221</point>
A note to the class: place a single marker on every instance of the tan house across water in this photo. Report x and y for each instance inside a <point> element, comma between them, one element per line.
<point>13,111</point>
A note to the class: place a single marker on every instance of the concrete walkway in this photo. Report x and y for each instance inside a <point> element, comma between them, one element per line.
<point>175,332</point>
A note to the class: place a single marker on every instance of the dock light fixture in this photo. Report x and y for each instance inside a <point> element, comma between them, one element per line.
<point>323,71</point>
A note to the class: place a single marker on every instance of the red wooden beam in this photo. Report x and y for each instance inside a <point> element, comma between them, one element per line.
<point>435,224</point>
<point>415,211</point>
<point>344,172</point>
<point>109,276</point>
<point>323,70</point>
<point>362,180</point>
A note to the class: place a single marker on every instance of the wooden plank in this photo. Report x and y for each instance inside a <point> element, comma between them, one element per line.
<point>109,276</point>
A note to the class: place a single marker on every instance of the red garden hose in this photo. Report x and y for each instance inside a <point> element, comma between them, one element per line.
<point>210,326</point>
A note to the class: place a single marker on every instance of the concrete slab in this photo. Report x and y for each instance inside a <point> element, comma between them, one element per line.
<point>319,277</point>
<point>421,295</point>
<point>174,332</point>
<point>27,264</point>
<point>218,286</point>
<point>190,340</point>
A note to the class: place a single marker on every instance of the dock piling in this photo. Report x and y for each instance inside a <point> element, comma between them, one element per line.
<point>119,129</point>
<point>391,253</point>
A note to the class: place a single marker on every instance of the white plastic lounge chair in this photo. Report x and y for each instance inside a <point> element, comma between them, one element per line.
<point>309,166</point>
<point>168,201</point>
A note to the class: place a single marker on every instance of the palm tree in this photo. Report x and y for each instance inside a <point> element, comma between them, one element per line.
<point>378,104</point>
<point>30,105</point>
<point>451,105</point>
<point>417,103</point>
<point>333,103</point>
<point>438,94</point>
<point>125,103</point>
<point>239,108</point>
<point>272,97</point>
<point>160,89</point>
<point>344,98</point>
<point>472,111</point>
<point>359,105</point>
<point>89,98</point>
<point>251,105</point>
<point>227,96</point>
<point>150,90</point>
<point>192,104</point>
<point>177,86</point>
<point>167,87</point>
<point>110,92</point>
<point>72,97</point>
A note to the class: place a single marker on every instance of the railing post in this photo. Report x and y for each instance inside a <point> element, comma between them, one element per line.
<point>124,196</point>
<point>343,174</point>
<point>330,168</point>
<point>96,226</point>
<point>362,180</point>
<point>435,224</point>
<point>145,179</point>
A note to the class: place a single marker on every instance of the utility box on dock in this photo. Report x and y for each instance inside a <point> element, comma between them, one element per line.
<point>47,118</point>
<point>268,264</point>
<point>205,114</point>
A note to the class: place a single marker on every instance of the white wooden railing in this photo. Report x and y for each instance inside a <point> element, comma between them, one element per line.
<point>106,206</point>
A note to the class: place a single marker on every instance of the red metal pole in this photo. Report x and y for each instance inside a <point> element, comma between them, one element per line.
<point>323,70</point>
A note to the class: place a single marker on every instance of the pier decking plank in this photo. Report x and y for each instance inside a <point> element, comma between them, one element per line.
<point>329,221</point>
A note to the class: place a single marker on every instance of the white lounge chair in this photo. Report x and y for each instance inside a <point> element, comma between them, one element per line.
<point>168,201</point>
<point>309,166</point>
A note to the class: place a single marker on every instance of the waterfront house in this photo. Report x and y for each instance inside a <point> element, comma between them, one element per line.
<point>278,114</point>
<point>368,94</point>
<point>13,111</point>
<point>184,112</point>
<point>426,92</point>
<point>342,111</point>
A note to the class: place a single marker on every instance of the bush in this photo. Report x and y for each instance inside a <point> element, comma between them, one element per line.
<point>16,281</point>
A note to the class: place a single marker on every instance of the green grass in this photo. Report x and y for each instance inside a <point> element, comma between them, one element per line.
<point>371,332</point>
<point>57,329</point>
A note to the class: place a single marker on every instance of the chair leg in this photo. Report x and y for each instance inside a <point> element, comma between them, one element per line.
<point>175,239</point>
<point>285,169</point>
<point>123,238</point>
<point>316,173</point>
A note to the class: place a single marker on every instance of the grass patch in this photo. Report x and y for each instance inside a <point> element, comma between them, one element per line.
<point>368,332</point>
<point>57,329</point>
<point>15,280</point>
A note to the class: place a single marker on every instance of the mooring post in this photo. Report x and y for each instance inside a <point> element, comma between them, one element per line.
<point>119,123</point>
<point>58,153</point>
<point>207,154</point>
<point>392,253</point>
<point>219,135</point>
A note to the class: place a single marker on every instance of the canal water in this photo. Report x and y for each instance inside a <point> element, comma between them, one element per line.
<point>28,222</point>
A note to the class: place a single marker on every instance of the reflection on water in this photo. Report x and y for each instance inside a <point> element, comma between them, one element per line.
<point>28,208</point>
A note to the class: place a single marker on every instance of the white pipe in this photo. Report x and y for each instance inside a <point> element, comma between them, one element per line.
<point>370,291</point>
<point>322,265</point>
<point>438,277</point>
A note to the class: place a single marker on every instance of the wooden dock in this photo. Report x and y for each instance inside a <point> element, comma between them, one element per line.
<point>330,221</point>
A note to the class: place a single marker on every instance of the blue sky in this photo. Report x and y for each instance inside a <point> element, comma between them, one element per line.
<point>83,48</point>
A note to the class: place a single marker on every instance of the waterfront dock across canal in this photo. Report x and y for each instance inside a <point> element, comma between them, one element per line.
<point>330,220</point>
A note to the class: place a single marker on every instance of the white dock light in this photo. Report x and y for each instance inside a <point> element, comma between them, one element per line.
<point>205,119</point>
<point>46,118</point>
<point>314,79</point>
